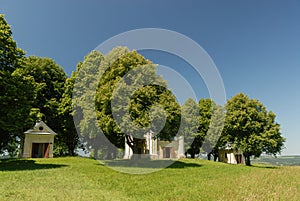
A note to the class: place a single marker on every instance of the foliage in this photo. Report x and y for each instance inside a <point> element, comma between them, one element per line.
<point>209,127</point>
<point>49,79</point>
<point>132,91</point>
<point>10,55</point>
<point>214,138</point>
<point>69,136</point>
<point>83,101</point>
<point>189,126</point>
<point>251,127</point>
<point>16,90</point>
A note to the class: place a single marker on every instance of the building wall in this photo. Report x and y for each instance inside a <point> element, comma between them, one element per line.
<point>156,149</point>
<point>36,138</point>
<point>231,156</point>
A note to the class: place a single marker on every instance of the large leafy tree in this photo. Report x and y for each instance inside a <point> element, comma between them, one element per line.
<point>69,137</point>
<point>140,102</point>
<point>16,100</point>
<point>206,107</point>
<point>152,108</point>
<point>117,63</point>
<point>49,79</point>
<point>83,101</point>
<point>252,128</point>
<point>17,91</point>
<point>189,127</point>
<point>210,122</point>
<point>209,125</point>
<point>214,138</point>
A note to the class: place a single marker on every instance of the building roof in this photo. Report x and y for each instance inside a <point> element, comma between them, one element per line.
<point>40,128</point>
<point>228,146</point>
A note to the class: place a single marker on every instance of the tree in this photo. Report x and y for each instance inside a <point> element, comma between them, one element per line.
<point>252,128</point>
<point>121,94</point>
<point>189,126</point>
<point>49,79</point>
<point>142,103</point>
<point>16,95</point>
<point>17,91</point>
<point>83,101</point>
<point>213,136</point>
<point>69,136</point>
<point>10,55</point>
<point>210,121</point>
<point>206,107</point>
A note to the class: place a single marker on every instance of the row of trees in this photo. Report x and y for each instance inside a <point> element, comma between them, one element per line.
<point>119,96</point>
<point>243,121</point>
<point>130,100</point>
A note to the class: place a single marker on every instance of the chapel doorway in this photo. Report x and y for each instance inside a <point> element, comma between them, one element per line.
<point>168,152</point>
<point>40,150</point>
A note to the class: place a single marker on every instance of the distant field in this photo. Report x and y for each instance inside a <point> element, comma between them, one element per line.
<point>278,161</point>
<point>189,179</point>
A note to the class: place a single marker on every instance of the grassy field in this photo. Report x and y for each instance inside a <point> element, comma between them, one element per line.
<point>87,179</point>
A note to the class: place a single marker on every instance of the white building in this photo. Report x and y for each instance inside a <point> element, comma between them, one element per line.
<point>38,142</point>
<point>231,154</point>
<point>153,148</point>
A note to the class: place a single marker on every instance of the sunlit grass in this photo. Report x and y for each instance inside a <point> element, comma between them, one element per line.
<point>87,179</point>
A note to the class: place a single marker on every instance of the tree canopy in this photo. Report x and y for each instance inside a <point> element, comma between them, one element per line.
<point>10,55</point>
<point>251,127</point>
<point>103,81</point>
<point>134,99</point>
<point>189,127</point>
<point>16,90</point>
<point>48,87</point>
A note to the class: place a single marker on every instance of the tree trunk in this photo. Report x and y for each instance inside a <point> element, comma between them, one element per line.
<point>209,156</point>
<point>247,159</point>
<point>133,144</point>
<point>71,149</point>
<point>215,157</point>
<point>215,154</point>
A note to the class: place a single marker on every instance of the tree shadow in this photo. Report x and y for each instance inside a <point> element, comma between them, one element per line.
<point>181,164</point>
<point>143,163</point>
<point>264,166</point>
<point>21,164</point>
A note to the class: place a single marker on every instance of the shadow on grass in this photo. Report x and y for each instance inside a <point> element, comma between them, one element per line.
<point>21,164</point>
<point>264,166</point>
<point>149,164</point>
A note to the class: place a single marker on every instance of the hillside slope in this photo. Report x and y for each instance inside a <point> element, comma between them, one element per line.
<point>87,179</point>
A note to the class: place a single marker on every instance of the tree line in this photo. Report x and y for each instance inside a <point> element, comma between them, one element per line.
<point>34,88</point>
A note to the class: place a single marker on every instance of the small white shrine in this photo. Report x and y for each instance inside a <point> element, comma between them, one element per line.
<point>231,154</point>
<point>153,148</point>
<point>38,142</point>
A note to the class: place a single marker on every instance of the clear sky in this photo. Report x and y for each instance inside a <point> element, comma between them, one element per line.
<point>254,44</point>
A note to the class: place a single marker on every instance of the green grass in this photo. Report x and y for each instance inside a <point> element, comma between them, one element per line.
<point>87,179</point>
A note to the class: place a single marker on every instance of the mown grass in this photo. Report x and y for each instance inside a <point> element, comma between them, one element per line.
<point>87,179</point>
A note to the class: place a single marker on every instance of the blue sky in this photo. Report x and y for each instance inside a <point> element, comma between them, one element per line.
<point>254,44</point>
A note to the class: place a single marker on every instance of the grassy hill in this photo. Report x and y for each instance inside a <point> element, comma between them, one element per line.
<point>87,179</point>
